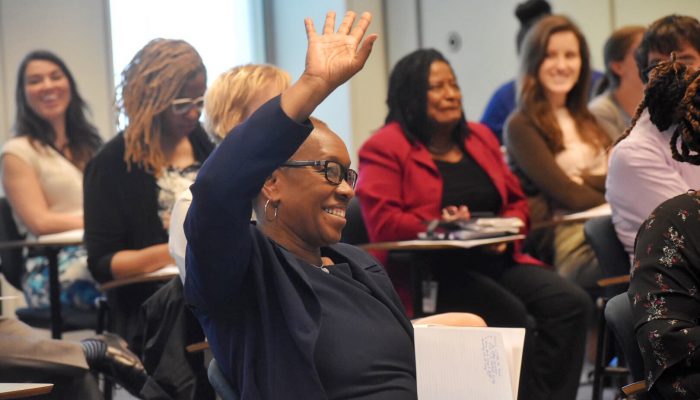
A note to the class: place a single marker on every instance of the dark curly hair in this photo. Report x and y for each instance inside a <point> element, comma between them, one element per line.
<point>83,140</point>
<point>408,93</point>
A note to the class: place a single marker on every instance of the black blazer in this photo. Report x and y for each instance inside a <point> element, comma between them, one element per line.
<point>258,310</point>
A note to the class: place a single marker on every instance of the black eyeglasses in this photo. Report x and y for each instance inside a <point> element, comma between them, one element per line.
<point>335,173</point>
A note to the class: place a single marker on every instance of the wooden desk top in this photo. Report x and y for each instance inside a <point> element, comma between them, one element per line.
<point>439,244</point>
<point>163,274</point>
<point>20,390</point>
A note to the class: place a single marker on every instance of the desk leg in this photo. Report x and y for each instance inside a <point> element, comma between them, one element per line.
<point>54,293</point>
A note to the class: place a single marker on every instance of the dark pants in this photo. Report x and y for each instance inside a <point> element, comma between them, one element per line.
<point>554,311</point>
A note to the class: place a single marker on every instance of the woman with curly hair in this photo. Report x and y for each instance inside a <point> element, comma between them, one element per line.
<point>131,185</point>
<point>666,268</point>
<point>42,173</point>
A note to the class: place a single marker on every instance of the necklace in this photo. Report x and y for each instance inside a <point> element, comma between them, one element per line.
<point>321,267</point>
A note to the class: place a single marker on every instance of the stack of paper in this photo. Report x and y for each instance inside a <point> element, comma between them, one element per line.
<point>468,363</point>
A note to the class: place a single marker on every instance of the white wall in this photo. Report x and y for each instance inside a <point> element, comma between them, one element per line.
<point>289,39</point>
<point>487,55</point>
<point>77,31</point>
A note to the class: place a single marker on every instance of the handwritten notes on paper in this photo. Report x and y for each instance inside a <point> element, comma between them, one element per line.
<point>468,363</point>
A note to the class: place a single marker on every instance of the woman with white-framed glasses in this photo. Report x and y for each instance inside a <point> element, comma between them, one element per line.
<point>131,185</point>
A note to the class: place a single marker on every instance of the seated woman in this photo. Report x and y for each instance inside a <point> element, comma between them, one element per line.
<point>555,145</point>
<point>42,173</point>
<point>132,183</point>
<point>429,163</point>
<point>290,314</point>
<point>230,99</point>
<point>621,89</point>
<point>666,269</point>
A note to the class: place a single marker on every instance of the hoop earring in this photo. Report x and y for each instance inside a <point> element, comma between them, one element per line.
<point>274,217</point>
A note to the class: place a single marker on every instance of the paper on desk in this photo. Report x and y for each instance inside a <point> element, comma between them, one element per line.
<point>466,244</point>
<point>168,270</point>
<point>468,363</point>
<point>75,235</point>
<point>599,211</point>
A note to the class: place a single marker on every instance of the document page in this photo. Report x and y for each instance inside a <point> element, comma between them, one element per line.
<point>468,363</point>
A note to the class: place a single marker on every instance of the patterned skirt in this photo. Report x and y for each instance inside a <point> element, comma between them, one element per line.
<point>78,288</point>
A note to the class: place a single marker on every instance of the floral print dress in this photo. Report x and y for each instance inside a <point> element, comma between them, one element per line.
<point>665,300</point>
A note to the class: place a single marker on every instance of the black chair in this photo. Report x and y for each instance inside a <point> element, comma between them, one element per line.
<point>615,265</point>
<point>613,259</point>
<point>13,268</point>
<point>355,232</point>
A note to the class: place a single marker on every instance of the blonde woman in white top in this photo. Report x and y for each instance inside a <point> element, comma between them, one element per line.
<point>42,172</point>
<point>230,99</point>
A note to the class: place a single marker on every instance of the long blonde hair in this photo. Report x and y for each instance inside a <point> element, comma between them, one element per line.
<point>150,82</point>
<point>228,99</point>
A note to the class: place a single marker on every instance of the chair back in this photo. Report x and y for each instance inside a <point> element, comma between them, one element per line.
<point>613,259</point>
<point>355,232</point>
<point>219,382</point>
<point>11,260</point>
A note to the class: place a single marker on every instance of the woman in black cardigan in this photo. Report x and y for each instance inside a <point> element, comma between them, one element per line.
<point>131,184</point>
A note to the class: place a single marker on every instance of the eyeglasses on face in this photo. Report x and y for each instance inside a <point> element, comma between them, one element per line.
<point>334,172</point>
<point>185,104</point>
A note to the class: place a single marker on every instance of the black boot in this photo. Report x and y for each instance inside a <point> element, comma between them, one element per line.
<point>108,354</point>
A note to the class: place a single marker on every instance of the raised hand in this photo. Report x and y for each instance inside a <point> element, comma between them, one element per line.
<point>333,57</point>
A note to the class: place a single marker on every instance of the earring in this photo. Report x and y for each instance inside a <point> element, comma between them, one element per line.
<point>276,208</point>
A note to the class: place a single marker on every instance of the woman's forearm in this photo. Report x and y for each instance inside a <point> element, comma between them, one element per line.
<point>128,263</point>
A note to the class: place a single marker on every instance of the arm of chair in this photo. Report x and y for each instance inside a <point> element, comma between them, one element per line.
<point>634,388</point>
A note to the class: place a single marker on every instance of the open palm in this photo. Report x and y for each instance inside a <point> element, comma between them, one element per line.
<point>334,57</point>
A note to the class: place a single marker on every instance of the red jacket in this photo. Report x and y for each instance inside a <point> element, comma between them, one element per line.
<point>400,186</point>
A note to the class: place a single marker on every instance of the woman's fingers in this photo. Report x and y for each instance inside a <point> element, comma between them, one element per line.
<point>346,24</point>
<point>310,30</point>
<point>329,26</point>
<point>358,32</point>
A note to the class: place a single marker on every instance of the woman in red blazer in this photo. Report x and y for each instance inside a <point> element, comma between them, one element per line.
<point>428,163</point>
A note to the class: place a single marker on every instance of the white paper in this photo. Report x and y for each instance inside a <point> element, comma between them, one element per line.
<point>468,363</point>
<point>75,235</point>
<point>599,211</point>
<point>465,244</point>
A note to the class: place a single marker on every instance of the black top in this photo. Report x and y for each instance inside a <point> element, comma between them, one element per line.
<point>350,315</point>
<point>121,213</point>
<point>252,297</point>
<point>466,183</point>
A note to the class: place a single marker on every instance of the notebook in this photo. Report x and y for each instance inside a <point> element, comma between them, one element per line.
<point>468,363</point>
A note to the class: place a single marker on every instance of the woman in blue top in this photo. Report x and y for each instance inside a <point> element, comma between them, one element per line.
<point>288,312</point>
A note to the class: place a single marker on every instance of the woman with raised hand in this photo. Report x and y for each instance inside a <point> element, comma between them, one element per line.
<point>229,100</point>
<point>555,146</point>
<point>288,312</point>
<point>42,173</point>
<point>132,183</point>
